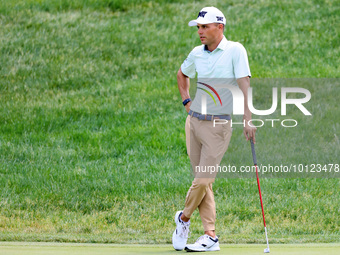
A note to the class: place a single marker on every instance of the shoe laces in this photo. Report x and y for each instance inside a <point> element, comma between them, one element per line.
<point>184,233</point>
<point>200,240</point>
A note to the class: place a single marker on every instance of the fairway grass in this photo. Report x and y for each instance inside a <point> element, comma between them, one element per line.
<point>18,248</point>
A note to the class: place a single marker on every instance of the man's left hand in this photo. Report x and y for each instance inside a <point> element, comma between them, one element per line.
<point>249,131</point>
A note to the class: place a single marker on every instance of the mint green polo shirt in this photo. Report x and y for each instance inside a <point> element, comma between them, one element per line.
<point>228,62</point>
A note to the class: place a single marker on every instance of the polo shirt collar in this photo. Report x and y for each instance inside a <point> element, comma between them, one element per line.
<point>222,45</point>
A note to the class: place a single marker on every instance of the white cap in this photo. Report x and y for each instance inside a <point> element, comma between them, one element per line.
<point>208,15</point>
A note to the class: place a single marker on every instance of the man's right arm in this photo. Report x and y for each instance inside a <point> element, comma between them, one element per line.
<point>183,87</point>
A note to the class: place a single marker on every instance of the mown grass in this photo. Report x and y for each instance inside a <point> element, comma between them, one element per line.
<point>92,128</point>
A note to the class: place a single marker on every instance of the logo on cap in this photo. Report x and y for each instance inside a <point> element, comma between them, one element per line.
<point>201,14</point>
<point>219,18</point>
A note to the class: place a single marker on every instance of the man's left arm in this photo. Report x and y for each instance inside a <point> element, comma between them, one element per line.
<point>248,130</point>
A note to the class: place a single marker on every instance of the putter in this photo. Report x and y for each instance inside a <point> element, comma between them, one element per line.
<point>266,250</point>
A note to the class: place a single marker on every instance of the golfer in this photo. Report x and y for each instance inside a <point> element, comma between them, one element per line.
<point>207,142</point>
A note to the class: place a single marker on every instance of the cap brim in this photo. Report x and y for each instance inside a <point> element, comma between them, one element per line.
<point>200,20</point>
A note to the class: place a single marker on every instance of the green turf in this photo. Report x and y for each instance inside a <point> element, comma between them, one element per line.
<point>57,249</point>
<point>92,145</point>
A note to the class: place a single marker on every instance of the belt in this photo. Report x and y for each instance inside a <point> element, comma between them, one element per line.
<point>208,116</point>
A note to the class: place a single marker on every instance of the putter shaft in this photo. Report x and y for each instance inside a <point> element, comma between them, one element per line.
<point>259,187</point>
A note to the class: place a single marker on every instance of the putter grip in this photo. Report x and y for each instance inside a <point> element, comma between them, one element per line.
<point>253,151</point>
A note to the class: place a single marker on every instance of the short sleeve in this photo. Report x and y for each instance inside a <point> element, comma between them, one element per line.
<point>240,62</point>
<point>188,67</point>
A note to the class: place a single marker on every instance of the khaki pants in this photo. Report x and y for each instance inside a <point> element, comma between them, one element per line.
<point>206,146</point>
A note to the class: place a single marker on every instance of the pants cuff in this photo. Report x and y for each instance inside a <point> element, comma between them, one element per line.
<point>209,227</point>
<point>186,213</point>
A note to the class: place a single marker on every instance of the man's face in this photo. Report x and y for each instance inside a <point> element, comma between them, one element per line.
<point>209,33</point>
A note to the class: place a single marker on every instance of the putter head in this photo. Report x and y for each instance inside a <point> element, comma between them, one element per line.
<point>266,250</point>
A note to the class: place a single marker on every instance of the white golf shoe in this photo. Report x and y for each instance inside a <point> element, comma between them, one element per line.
<point>204,243</point>
<point>180,235</point>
